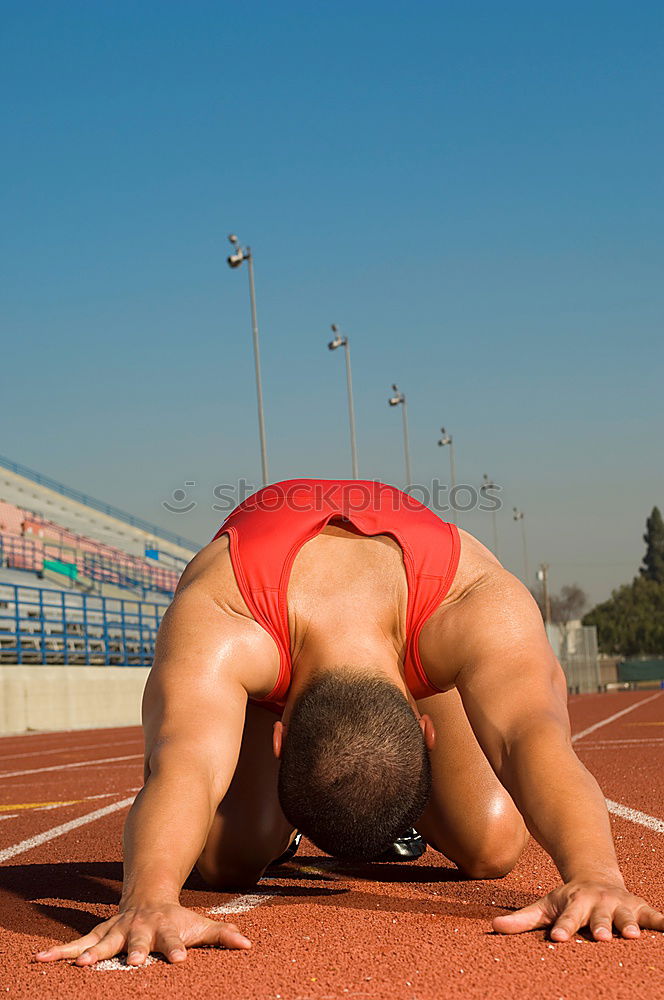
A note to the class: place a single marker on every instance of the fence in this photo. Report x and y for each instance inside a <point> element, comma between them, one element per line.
<point>17,552</point>
<point>129,572</point>
<point>576,648</point>
<point>42,626</point>
<point>130,575</point>
<point>99,505</point>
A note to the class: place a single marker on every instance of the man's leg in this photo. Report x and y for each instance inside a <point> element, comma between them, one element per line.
<point>249,829</point>
<point>470,817</point>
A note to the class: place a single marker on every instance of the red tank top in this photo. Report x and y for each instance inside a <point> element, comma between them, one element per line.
<point>267,531</point>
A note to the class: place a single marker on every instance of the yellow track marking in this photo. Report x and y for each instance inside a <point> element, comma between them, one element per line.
<point>38,805</point>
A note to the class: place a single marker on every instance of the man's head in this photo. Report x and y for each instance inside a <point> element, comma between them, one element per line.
<point>355,771</point>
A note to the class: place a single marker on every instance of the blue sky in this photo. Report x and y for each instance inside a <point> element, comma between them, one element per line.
<point>472,191</point>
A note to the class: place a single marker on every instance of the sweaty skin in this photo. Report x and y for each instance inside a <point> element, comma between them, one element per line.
<point>498,737</point>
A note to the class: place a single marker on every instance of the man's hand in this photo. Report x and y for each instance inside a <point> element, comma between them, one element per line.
<point>169,929</point>
<point>598,905</point>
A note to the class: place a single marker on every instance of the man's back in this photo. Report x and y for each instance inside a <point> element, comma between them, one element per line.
<point>347,593</point>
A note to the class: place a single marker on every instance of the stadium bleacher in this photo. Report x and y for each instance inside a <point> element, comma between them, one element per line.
<point>81,582</point>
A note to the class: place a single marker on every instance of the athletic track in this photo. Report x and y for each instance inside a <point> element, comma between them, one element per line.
<point>321,930</point>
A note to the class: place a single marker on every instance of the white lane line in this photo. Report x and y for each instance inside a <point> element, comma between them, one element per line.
<point>120,964</point>
<point>59,831</point>
<point>87,746</point>
<point>607,744</point>
<point>241,904</point>
<point>72,802</point>
<point>635,816</point>
<point>64,767</point>
<point>611,718</point>
<point>8,816</point>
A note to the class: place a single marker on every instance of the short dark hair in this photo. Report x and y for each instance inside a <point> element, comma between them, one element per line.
<point>355,771</point>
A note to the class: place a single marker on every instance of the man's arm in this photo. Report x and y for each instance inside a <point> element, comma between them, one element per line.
<point>193,716</point>
<point>514,694</point>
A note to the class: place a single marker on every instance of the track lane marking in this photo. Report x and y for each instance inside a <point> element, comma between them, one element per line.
<point>86,746</point>
<point>612,718</point>
<point>39,805</point>
<point>635,816</point>
<point>241,904</point>
<point>59,831</point>
<point>652,741</point>
<point>119,964</point>
<point>64,767</point>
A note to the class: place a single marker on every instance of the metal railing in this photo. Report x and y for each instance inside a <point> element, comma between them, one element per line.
<point>128,572</point>
<point>17,552</point>
<point>98,505</point>
<point>42,626</point>
<point>131,576</point>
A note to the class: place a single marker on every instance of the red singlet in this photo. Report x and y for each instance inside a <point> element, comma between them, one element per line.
<point>267,531</point>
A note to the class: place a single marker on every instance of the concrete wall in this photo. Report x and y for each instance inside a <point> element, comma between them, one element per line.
<point>59,697</point>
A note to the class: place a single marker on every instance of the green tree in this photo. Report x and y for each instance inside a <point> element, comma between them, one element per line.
<point>653,560</point>
<point>631,622</point>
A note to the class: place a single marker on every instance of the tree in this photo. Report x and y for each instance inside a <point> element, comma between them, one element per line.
<point>653,560</point>
<point>565,606</point>
<point>569,604</point>
<point>631,622</point>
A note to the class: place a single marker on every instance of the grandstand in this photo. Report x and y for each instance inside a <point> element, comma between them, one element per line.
<point>81,582</point>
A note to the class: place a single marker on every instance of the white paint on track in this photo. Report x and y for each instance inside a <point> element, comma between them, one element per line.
<point>87,746</point>
<point>241,904</point>
<point>119,964</point>
<point>635,816</point>
<point>611,718</point>
<point>59,831</point>
<point>64,767</point>
<point>633,744</point>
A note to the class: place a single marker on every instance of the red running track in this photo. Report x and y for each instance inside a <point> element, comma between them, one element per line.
<point>321,930</point>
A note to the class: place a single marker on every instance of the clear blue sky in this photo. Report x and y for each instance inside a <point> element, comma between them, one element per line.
<point>473,191</point>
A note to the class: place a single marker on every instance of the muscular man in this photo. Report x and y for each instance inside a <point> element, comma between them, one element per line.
<point>340,661</point>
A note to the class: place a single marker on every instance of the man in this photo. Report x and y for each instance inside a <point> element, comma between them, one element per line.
<point>340,661</point>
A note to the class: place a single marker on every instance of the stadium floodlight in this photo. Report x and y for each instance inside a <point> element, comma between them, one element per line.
<point>447,439</point>
<point>235,259</point>
<point>399,399</point>
<point>340,341</point>
<point>518,515</point>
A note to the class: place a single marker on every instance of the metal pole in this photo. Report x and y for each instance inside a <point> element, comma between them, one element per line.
<point>257,364</point>
<point>452,465</point>
<point>495,534</point>
<point>406,447</point>
<point>452,479</point>
<point>351,413</point>
<point>489,485</point>
<point>525,550</point>
<point>544,576</point>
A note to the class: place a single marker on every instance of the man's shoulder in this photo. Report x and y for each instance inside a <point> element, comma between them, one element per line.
<point>487,613</point>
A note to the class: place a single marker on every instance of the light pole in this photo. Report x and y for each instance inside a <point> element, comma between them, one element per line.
<point>236,257</point>
<point>447,439</point>
<point>399,399</point>
<point>488,484</point>
<point>543,577</point>
<point>518,515</point>
<point>340,341</point>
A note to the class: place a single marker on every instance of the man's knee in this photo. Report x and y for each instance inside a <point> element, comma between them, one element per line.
<point>489,866</point>
<point>229,876</point>
<point>495,857</point>
<point>228,866</point>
